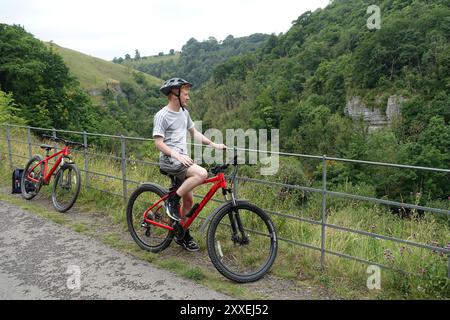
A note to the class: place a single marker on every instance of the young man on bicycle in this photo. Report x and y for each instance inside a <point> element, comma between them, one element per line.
<point>170,127</point>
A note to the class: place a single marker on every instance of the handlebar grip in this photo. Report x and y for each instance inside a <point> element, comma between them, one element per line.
<point>75,144</point>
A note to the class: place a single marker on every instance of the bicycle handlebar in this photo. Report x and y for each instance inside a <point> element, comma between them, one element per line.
<point>66,142</point>
<point>215,170</point>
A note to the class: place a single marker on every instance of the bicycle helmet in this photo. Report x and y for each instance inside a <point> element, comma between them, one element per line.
<point>174,83</point>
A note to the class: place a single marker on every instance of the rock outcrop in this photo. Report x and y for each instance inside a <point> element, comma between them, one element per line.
<point>375,117</point>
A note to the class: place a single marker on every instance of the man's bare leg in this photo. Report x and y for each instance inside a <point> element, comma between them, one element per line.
<point>196,175</point>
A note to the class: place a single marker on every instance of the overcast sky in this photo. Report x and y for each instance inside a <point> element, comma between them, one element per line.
<point>111,28</point>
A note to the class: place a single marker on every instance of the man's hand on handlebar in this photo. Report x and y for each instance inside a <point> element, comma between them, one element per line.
<point>219,146</point>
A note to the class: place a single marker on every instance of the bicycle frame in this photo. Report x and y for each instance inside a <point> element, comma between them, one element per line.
<point>219,182</point>
<point>46,177</point>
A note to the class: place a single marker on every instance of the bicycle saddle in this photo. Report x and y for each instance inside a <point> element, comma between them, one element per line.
<point>46,147</point>
<point>165,173</point>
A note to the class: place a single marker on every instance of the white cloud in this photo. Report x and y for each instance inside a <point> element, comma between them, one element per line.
<point>108,29</point>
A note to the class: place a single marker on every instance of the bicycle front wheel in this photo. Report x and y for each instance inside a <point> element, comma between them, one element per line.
<point>148,236</point>
<point>242,242</point>
<point>66,187</point>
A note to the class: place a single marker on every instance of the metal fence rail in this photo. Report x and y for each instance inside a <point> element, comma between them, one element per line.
<point>123,160</point>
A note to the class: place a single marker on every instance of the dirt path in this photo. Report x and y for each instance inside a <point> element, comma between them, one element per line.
<point>40,259</point>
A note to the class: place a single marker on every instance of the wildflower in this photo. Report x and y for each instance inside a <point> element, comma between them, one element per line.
<point>422,271</point>
<point>402,250</point>
<point>388,255</point>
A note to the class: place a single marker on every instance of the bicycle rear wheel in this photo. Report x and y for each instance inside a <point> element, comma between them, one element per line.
<point>66,187</point>
<point>30,188</point>
<point>242,242</point>
<point>148,236</point>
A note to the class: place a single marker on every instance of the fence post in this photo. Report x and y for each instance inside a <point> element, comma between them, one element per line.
<point>54,136</point>
<point>86,161</point>
<point>9,146</point>
<point>29,141</point>
<point>324,211</point>
<point>124,168</point>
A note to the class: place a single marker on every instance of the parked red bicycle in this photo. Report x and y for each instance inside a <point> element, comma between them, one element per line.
<point>67,182</point>
<point>241,238</point>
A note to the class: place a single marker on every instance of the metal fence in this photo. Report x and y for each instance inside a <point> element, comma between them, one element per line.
<point>124,160</point>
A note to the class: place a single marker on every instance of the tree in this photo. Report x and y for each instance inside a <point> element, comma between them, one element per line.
<point>137,55</point>
<point>8,110</point>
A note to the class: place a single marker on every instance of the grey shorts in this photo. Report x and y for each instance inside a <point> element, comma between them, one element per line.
<point>173,167</point>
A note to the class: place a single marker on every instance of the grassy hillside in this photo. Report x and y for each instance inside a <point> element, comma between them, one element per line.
<point>164,66</point>
<point>94,73</point>
<point>163,58</point>
<point>126,97</point>
<point>48,86</point>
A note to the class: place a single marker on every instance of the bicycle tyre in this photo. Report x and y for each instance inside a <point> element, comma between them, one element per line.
<point>25,184</point>
<point>142,233</point>
<point>58,203</point>
<point>261,232</point>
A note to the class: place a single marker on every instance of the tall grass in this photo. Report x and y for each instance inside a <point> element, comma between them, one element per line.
<point>423,272</point>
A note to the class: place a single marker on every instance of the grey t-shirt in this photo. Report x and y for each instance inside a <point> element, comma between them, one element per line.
<point>173,126</point>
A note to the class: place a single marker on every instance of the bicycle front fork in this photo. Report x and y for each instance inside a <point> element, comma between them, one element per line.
<point>238,235</point>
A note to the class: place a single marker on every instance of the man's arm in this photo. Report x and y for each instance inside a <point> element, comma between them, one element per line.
<point>204,140</point>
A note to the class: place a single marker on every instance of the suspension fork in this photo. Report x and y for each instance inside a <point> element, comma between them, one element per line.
<point>67,176</point>
<point>235,221</point>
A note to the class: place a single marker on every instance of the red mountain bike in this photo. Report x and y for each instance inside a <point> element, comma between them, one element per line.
<point>67,178</point>
<point>241,238</point>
